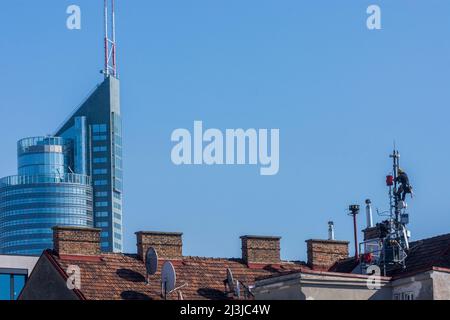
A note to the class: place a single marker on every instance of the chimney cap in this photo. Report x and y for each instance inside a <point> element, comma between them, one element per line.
<point>159,233</point>
<point>75,228</point>
<point>260,237</point>
<point>328,241</point>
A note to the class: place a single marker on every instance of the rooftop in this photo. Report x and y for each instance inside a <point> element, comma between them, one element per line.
<point>115,276</point>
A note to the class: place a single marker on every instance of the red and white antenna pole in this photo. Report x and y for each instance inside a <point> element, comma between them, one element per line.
<point>110,40</point>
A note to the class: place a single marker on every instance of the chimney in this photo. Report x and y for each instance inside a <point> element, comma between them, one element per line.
<point>379,231</point>
<point>369,217</point>
<point>168,245</point>
<point>323,254</point>
<point>331,230</point>
<point>76,241</point>
<point>260,250</point>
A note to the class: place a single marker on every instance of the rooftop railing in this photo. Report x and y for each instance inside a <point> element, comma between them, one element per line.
<point>70,178</point>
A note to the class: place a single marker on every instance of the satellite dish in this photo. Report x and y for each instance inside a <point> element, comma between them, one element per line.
<point>237,291</point>
<point>168,277</point>
<point>151,261</point>
<point>230,280</point>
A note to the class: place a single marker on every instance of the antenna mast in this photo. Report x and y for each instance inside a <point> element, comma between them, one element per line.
<point>110,67</point>
<point>395,209</point>
<point>387,243</point>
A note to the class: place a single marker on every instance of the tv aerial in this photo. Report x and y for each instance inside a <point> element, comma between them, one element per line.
<point>169,280</point>
<point>151,262</point>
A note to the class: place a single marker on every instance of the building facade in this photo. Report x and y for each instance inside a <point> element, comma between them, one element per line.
<point>73,178</point>
<point>96,131</point>
<point>45,193</point>
<point>260,273</point>
<point>14,273</point>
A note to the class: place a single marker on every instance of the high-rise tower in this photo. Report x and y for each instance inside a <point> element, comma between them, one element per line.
<point>96,129</point>
<point>73,178</point>
<point>45,193</point>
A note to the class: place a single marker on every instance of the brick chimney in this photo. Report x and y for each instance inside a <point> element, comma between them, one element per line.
<point>372,233</point>
<point>323,254</point>
<point>76,241</point>
<point>168,245</point>
<point>260,250</point>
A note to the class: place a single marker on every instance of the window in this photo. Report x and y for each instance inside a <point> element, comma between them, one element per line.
<point>117,206</point>
<point>101,204</point>
<point>117,246</point>
<point>101,214</point>
<point>99,128</point>
<point>102,224</point>
<point>404,296</point>
<point>117,216</point>
<point>100,182</point>
<point>100,149</point>
<point>117,226</point>
<point>100,138</point>
<point>100,160</point>
<point>104,234</point>
<point>117,195</point>
<point>101,194</point>
<point>105,244</point>
<point>100,171</point>
<point>118,236</point>
<point>11,285</point>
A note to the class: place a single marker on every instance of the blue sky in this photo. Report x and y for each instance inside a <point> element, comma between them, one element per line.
<point>339,93</point>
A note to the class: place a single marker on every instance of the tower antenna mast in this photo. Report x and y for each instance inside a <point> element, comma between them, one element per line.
<point>396,164</point>
<point>110,66</point>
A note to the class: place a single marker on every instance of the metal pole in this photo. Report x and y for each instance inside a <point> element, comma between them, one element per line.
<point>356,236</point>
<point>396,166</point>
<point>106,71</point>
<point>354,210</point>
<point>113,17</point>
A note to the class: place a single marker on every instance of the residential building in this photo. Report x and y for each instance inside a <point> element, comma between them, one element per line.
<point>14,272</point>
<point>118,276</point>
<point>328,274</point>
<point>426,276</point>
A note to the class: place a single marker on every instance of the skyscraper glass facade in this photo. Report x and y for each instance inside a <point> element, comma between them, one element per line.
<point>96,131</point>
<point>45,193</point>
<point>72,178</point>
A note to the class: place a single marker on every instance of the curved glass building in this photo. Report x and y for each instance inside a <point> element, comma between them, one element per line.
<point>45,193</point>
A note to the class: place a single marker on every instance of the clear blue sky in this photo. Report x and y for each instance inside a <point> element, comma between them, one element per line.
<point>339,93</point>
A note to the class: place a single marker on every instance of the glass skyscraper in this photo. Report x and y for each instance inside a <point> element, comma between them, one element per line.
<point>72,178</point>
<point>96,131</point>
<point>45,193</point>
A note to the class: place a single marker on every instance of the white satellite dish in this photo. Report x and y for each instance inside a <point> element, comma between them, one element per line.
<point>168,278</point>
<point>237,290</point>
<point>151,261</point>
<point>230,280</point>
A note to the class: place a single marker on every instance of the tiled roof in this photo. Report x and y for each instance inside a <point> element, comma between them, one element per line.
<point>117,276</point>
<point>427,253</point>
<point>345,265</point>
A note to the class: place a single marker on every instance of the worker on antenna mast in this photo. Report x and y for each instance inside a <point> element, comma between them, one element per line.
<point>404,188</point>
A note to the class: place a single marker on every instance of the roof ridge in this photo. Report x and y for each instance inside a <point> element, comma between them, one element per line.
<point>445,235</point>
